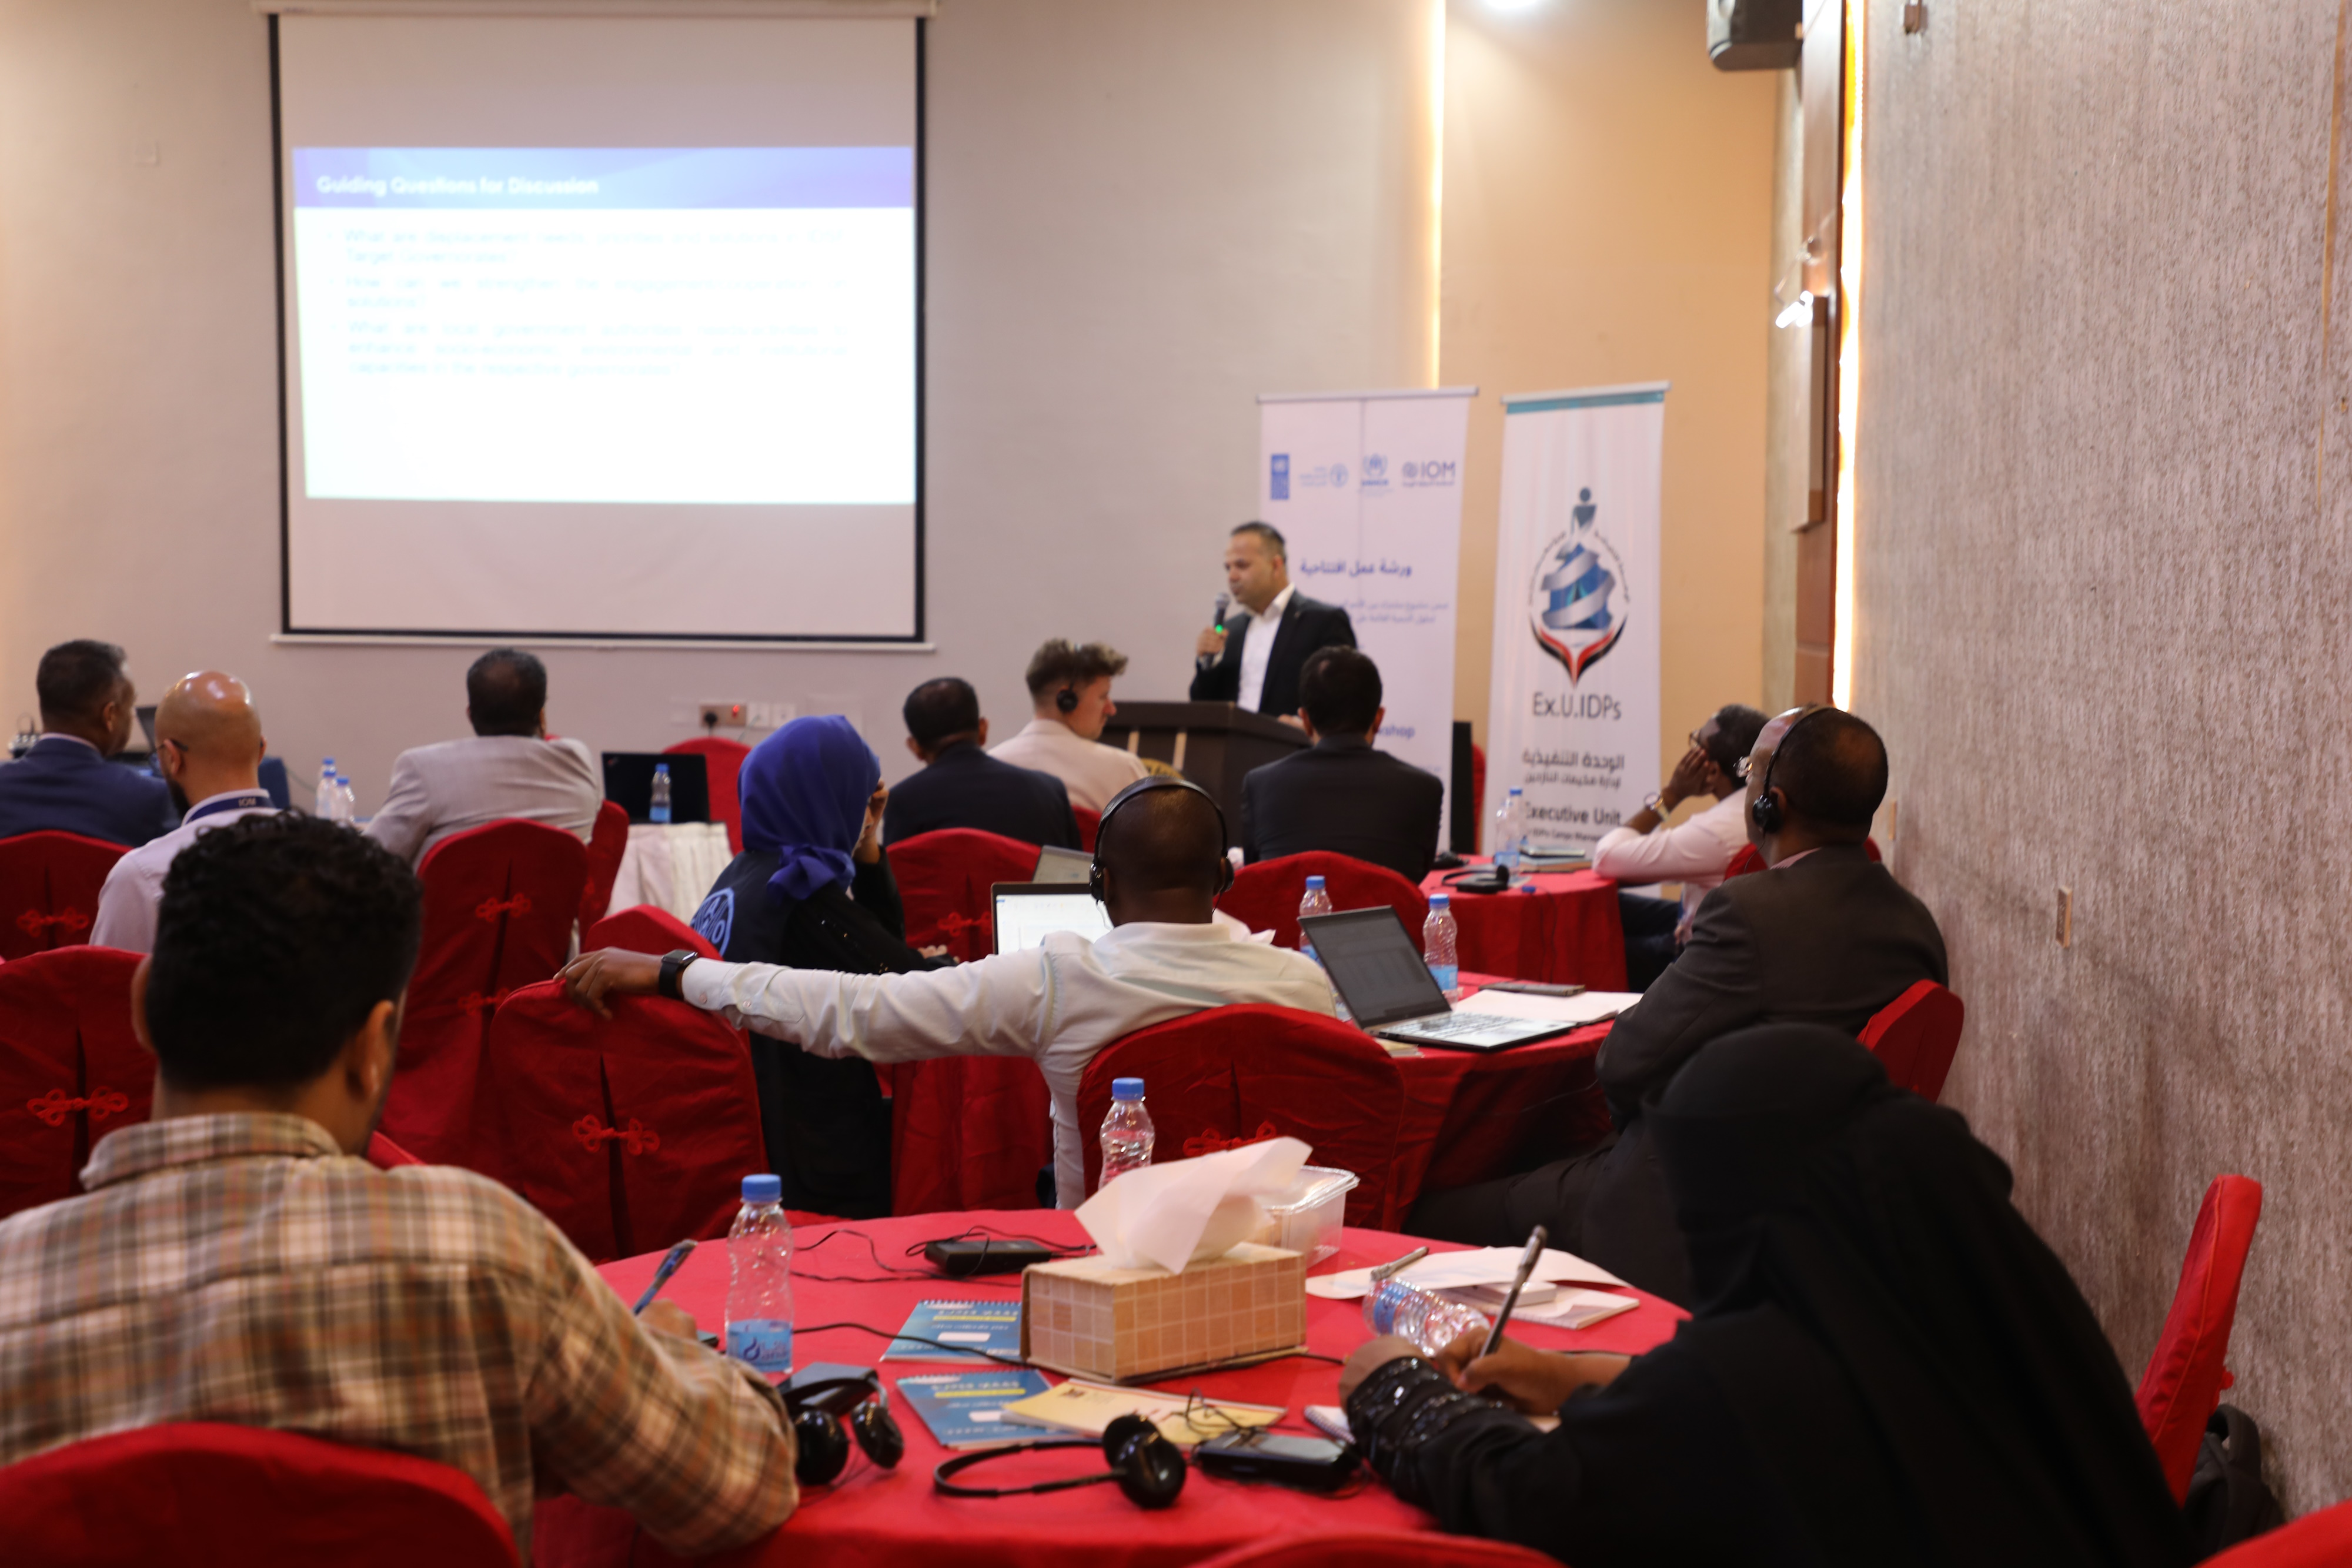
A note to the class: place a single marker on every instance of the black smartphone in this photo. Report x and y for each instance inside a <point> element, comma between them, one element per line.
<point>1311,1464</point>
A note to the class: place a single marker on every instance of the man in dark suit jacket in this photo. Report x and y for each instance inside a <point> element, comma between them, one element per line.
<point>1246,666</point>
<point>962,786</point>
<point>1342,795</point>
<point>66,784</point>
<point>1825,935</point>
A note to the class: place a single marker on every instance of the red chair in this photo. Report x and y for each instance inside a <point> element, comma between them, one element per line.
<point>48,890</point>
<point>70,1069</point>
<point>629,1134</point>
<point>209,1495</point>
<point>1387,1548</point>
<point>1914,1037</point>
<point>2183,1383</point>
<point>1266,895</point>
<point>499,902</point>
<point>1235,1074</point>
<point>1477,793</point>
<point>1089,824</point>
<point>724,761</point>
<point>2322,1540</point>
<point>968,1131</point>
<point>944,878</point>
<point>386,1156</point>
<point>607,842</point>
<point>646,928</point>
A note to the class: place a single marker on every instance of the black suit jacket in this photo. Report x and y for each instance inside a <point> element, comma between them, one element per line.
<point>1307,625</point>
<point>1831,940</point>
<point>1345,797</point>
<point>964,786</point>
<point>62,786</point>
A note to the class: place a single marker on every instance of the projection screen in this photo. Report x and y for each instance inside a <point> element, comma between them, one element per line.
<point>601,328</point>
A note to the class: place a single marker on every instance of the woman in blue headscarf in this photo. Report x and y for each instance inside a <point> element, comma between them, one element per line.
<point>812,890</point>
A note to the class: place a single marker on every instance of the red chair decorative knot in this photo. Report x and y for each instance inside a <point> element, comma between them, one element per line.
<point>1210,1142</point>
<point>491,908</point>
<point>636,1138</point>
<point>32,922</point>
<point>56,1105</point>
<point>950,924</point>
<point>476,1002</point>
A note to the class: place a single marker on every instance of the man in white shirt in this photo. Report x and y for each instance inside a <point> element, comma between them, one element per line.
<point>510,768</point>
<point>1696,853</point>
<point>1069,691</point>
<point>1158,865</point>
<point>1278,630</point>
<point>208,743</point>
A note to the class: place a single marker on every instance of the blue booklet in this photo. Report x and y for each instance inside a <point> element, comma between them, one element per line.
<point>966,1409</point>
<point>959,1328</point>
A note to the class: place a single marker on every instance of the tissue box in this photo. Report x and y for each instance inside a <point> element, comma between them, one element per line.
<point>1305,1219</point>
<point>1082,1316</point>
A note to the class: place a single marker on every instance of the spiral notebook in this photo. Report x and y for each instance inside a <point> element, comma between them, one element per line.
<point>964,1330</point>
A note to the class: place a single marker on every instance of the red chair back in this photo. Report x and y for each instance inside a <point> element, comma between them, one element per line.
<point>210,1495</point>
<point>70,1069</point>
<point>386,1156</point>
<point>1393,1549</point>
<point>968,1131</point>
<point>724,761</point>
<point>1478,793</point>
<point>629,1133</point>
<point>944,878</point>
<point>2183,1383</point>
<point>646,928</point>
<point>1914,1037</point>
<point>1235,1074</point>
<point>1089,824</point>
<point>607,842</point>
<point>2322,1540</point>
<point>48,890</point>
<point>1266,895</point>
<point>499,902</point>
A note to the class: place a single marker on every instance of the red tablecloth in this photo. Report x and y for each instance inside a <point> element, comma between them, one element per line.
<point>1562,927</point>
<point>873,1516</point>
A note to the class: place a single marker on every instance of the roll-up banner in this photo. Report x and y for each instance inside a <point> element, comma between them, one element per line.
<point>1574,714</point>
<point>1367,489</point>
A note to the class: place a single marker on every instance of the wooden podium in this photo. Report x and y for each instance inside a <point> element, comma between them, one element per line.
<point>1212,744</point>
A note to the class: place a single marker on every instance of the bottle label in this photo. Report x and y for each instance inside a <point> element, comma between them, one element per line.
<point>1447,976</point>
<point>761,1343</point>
<point>1307,948</point>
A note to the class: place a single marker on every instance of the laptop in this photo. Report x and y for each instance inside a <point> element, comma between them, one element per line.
<point>1060,865</point>
<point>1028,912</point>
<point>1379,971</point>
<point>629,784</point>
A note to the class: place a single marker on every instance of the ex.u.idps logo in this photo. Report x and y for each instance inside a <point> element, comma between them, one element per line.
<point>1577,599</point>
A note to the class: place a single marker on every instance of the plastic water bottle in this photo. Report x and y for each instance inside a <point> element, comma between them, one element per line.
<point>1125,1131</point>
<point>659,810</point>
<point>1511,830</point>
<point>347,800</point>
<point>1317,902</point>
<point>1437,945</point>
<point>325,810</point>
<point>759,1278</point>
<point>1430,1323</point>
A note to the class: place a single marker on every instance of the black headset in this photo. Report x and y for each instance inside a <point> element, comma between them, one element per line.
<point>1066,699</point>
<point>1147,1467</point>
<point>1770,818</point>
<point>818,1423</point>
<point>1144,786</point>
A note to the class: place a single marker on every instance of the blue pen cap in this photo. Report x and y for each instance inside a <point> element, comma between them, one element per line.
<point>763,1189</point>
<point>1126,1088</point>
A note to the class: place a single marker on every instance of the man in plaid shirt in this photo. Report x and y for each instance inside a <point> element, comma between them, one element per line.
<point>232,1260</point>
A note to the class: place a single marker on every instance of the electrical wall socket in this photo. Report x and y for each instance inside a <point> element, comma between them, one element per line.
<point>721,716</point>
<point>2066,932</point>
<point>772,714</point>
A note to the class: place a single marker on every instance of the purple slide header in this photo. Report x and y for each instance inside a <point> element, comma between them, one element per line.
<point>635,178</point>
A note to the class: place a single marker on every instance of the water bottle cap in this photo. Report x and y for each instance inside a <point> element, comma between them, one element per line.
<point>663,768</point>
<point>1515,789</point>
<point>763,1189</point>
<point>342,778</point>
<point>327,763</point>
<point>1314,884</point>
<point>1126,1088</point>
<point>1441,901</point>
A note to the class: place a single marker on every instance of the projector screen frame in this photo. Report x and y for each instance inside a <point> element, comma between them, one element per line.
<point>916,640</point>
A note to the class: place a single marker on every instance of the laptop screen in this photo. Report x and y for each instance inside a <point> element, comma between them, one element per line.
<point>1376,965</point>
<point>1027,913</point>
<point>1062,865</point>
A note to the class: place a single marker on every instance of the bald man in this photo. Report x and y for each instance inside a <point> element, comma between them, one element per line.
<point>1159,856</point>
<point>208,743</point>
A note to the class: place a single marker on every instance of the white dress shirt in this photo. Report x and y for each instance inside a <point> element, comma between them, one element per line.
<point>1696,853</point>
<point>1058,1004</point>
<point>126,904</point>
<point>1257,647</point>
<point>437,790</point>
<point>1092,771</point>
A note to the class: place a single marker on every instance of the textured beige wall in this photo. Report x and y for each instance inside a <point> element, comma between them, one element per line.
<point>1789,370</point>
<point>1608,204</point>
<point>2104,587</point>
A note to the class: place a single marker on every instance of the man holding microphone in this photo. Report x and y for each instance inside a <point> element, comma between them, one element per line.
<point>1257,663</point>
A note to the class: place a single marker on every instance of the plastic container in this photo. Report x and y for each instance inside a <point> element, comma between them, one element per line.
<point>1438,943</point>
<point>1306,1218</point>
<point>325,809</point>
<point>658,811</point>
<point>1511,830</point>
<point>1430,1323</point>
<point>347,800</point>
<point>760,1279</point>
<point>1317,902</point>
<point>1127,1131</point>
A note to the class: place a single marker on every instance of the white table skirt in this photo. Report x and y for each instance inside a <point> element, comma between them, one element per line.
<point>671,865</point>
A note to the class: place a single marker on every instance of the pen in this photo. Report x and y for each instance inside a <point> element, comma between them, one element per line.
<point>1535,1240</point>
<point>669,1263</point>
<point>1396,1265</point>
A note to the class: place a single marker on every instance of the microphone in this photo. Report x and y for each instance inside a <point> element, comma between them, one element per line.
<point>1217,620</point>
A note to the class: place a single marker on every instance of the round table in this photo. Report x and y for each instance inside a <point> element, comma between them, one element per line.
<point>1560,925</point>
<point>874,1517</point>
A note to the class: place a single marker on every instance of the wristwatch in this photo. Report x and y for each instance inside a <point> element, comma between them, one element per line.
<point>1655,801</point>
<point>673,965</point>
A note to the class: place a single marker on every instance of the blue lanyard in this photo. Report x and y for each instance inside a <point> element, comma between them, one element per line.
<point>228,803</point>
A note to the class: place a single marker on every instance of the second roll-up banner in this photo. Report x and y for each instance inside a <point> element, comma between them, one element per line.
<point>1367,488</point>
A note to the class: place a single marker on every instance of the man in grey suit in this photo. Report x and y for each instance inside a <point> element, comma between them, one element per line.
<point>510,767</point>
<point>1825,935</point>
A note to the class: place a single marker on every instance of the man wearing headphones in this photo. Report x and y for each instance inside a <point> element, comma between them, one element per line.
<point>1160,864</point>
<point>1069,691</point>
<point>1825,935</point>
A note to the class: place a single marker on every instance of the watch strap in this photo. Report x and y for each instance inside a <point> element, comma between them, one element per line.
<point>673,966</point>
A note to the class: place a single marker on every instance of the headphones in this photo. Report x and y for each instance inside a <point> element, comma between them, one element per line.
<point>1767,811</point>
<point>818,1422</point>
<point>1066,699</point>
<point>1144,786</point>
<point>1147,1467</point>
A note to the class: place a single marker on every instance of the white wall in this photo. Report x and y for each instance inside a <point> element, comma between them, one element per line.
<point>1138,217</point>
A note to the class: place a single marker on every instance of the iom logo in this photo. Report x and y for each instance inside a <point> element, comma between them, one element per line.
<point>1577,601</point>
